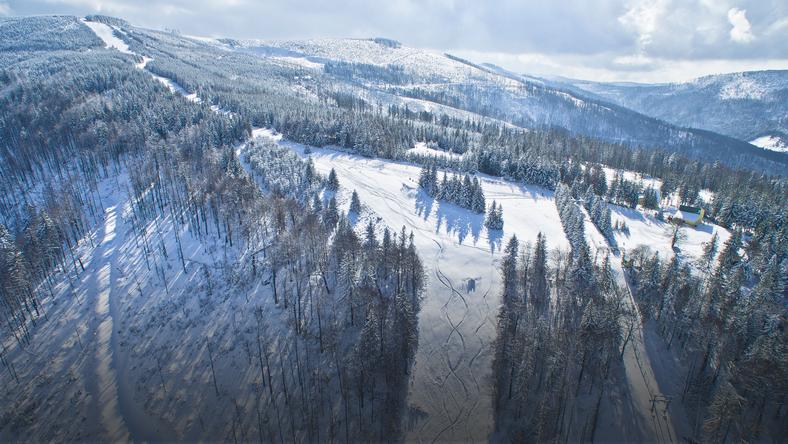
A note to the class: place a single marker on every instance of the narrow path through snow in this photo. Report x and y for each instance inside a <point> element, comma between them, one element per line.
<point>654,420</point>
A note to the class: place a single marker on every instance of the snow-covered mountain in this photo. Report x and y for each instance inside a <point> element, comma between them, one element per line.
<point>744,105</point>
<point>351,240</point>
<point>443,79</point>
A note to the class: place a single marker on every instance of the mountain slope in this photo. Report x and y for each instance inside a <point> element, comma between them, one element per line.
<point>447,80</point>
<point>745,105</point>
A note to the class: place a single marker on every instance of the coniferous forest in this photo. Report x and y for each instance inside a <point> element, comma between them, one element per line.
<point>356,241</point>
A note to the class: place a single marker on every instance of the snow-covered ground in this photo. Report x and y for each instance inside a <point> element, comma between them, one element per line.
<point>773,143</point>
<point>421,149</point>
<point>646,418</point>
<point>647,181</point>
<point>450,396</point>
<point>430,64</point>
<point>106,33</point>
<point>646,230</point>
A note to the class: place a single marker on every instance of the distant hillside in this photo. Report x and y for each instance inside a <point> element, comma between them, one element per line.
<point>523,101</point>
<point>745,105</point>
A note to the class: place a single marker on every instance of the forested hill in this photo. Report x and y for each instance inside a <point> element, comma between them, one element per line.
<point>745,105</point>
<point>523,101</point>
<point>354,241</point>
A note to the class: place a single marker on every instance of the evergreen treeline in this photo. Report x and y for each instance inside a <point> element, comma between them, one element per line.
<point>314,116</point>
<point>66,122</point>
<point>558,348</point>
<point>465,192</point>
<point>364,312</point>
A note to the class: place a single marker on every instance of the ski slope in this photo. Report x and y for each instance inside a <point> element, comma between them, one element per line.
<point>647,420</point>
<point>450,397</point>
<point>107,34</point>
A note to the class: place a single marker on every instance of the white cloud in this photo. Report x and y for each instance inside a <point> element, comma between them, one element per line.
<point>642,17</point>
<point>741,31</point>
<point>611,39</point>
<point>5,9</point>
<point>620,69</point>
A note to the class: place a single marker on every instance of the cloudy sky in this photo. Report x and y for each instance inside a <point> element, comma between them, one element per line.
<point>636,40</point>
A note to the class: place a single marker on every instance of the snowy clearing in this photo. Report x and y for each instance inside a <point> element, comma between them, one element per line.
<point>647,181</point>
<point>450,396</point>
<point>773,143</point>
<point>421,149</point>
<point>646,230</point>
<point>107,34</point>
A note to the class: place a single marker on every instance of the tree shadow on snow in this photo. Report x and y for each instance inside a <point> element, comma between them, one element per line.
<point>459,221</point>
<point>706,228</point>
<point>494,240</point>
<point>424,204</point>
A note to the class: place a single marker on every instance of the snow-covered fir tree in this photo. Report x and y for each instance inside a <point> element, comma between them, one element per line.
<point>494,220</point>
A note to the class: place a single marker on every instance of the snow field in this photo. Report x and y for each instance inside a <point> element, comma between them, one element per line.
<point>646,230</point>
<point>421,149</point>
<point>106,33</point>
<point>773,143</point>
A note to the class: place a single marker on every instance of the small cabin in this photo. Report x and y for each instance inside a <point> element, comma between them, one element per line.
<point>688,215</point>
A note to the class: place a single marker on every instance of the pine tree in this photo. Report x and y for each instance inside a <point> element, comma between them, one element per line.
<point>444,187</point>
<point>477,201</point>
<point>494,220</point>
<point>709,252</point>
<point>538,281</point>
<point>424,179</point>
<point>309,172</point>
<point>355,203</point>
<point>333,181</point>
<point>509,268</point>
<point>331,214</point>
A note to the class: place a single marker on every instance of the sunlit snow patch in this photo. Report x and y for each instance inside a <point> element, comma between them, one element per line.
<point>107,34</point>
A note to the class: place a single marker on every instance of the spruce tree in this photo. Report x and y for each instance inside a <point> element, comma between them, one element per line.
<point>509,268</point>
<point>355,203</point>
<point>333,181</point>
<point>538,282</point>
